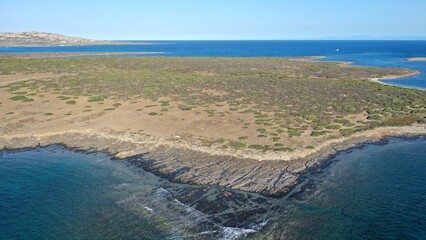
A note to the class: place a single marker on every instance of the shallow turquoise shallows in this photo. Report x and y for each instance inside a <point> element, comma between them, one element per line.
<point>374,192</point>
<point>53,193</point>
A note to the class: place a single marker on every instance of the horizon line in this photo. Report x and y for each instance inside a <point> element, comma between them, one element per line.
<point>343,39</point>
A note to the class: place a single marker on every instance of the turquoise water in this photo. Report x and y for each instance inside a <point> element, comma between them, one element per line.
<point>376,192</point>
<point>55,194</point>
<point>367,53</point>
<point>373,192</point>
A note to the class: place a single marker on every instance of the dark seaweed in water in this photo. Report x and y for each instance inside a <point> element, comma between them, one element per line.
<point>377,191</point>
<point>85,195</point>
<point>373,192</point>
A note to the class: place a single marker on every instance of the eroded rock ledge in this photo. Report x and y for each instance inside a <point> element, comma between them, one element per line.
<point>272,178</point>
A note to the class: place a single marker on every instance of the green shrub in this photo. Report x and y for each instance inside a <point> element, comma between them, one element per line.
<point>21,98</point>
<point>318,133</point>
<point>237,145</point>
<point>374,117</point>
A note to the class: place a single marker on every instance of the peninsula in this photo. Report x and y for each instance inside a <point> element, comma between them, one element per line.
<point>254,124</point>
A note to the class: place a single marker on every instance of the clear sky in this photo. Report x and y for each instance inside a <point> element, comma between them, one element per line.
<point>218,19</point>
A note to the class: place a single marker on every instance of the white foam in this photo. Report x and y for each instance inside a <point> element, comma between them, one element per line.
<point>149,209</point>
<point>260,225</point>
<point>230,233</point>
<point>207,233</point>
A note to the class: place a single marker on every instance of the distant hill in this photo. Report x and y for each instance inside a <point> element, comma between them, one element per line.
<point>42,39</point>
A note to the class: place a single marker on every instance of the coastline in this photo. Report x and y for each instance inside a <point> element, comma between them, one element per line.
<point>182,160</point>
<point>58,44</point>
<point>274,178</point>
<point>382,80</point>
<point>48,55</point>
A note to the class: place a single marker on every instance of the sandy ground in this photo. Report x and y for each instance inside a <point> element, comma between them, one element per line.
<point>416,59</point>
<point>182,146</point>
<point>8,79</point>
<point>193,129</point>
<point>382,79</point>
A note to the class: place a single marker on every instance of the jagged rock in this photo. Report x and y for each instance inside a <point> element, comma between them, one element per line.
<point>2,143</point>
<point>274,177</point>
<point>21,142</point>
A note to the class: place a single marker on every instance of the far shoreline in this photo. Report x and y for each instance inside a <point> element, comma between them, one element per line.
<point>382,80</point>
<point>47,55</point>
<point>416,59</point>
<point>97,43</point>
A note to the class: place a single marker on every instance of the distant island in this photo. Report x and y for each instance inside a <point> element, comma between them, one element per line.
<point>33,38</point>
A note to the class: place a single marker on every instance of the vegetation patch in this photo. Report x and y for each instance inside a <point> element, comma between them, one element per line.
<point>116,105</point>
<point>21,98</point>
<point>95,99</point>
<point>150,106</point>
<point>63,98</point>
<point>318,133</point>
<point>285,99</point>
<point>237,145</point>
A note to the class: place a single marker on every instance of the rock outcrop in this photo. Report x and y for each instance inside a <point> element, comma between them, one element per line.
<point>272,178</point>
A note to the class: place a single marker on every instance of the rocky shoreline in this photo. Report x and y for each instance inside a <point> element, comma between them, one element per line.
<point>269,177</point>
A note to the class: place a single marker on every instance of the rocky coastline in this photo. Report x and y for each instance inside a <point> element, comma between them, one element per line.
<point>275,178</point>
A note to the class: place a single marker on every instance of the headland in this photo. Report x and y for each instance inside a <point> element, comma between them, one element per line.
<point>253,124</point>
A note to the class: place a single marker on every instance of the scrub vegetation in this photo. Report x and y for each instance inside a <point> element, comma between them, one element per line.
<point>286,98</point>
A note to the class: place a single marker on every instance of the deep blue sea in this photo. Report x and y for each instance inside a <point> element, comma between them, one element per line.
<point>366,53</point>
<point>374,192</point>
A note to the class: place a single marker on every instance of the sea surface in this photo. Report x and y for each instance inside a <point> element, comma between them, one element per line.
<point>374,192</point>
<point>366,53</point>
<point>377,191</point>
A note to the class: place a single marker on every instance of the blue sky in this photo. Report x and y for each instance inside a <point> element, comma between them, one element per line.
<point>219,19</point>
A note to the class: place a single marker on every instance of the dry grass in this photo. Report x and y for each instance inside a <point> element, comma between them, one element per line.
<point>272,104</point>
